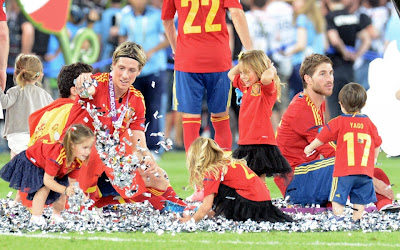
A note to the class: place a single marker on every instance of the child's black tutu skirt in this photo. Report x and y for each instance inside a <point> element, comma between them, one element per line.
<point>23,175</point>
<point>235,207</point>
<point>263,159</point>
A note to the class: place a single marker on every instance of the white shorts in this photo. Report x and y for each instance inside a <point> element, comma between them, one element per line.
<point>18,142</point>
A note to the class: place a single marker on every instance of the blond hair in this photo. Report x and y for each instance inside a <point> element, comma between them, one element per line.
<point>257,60</point>
<point>28,68</point>
<point>75,134</point>
<point>205,156</point>
<point>313,12</point>
<point>130,50</point>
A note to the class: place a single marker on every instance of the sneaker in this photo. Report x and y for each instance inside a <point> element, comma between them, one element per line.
<point>198,195</point>
<point>37,221</point>
<point>390,208</point>
<point>172,207</point>
<point>336,219</point>
<point>56,220</point>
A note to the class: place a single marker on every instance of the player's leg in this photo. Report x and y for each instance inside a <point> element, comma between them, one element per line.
<point>188,96</point>
<point>219,93</point>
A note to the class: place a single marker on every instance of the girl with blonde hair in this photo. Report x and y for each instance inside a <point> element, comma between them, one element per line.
<point>231,189</point>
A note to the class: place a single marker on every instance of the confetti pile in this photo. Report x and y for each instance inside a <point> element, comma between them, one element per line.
<point>141,217</point>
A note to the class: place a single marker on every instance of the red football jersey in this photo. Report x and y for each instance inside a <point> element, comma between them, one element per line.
<point>255,125</point>
<point>241,178</point>
<point>203,39</point>
<point>356,138</point>
<point>299,126</point>
<point>52,158</point>
<point>3,16</point>
<point>134,117</point>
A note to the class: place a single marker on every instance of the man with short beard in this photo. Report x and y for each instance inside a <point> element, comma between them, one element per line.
<point>311,179</point>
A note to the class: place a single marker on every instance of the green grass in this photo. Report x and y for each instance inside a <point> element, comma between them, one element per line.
<point>174,164</point>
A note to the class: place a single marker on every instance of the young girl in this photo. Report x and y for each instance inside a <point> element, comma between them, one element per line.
<point>256,77</point>
<point>230,187</point>
<point>22,100</point>
<point>47,171</point>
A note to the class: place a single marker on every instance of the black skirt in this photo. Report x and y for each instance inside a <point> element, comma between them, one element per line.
<point>263,159</point>
<point>23,175</point>
<point>235,207</point>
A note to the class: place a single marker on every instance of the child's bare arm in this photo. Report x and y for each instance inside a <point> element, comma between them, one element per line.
<point>398,94</point>
<point>49,182</point>
<point>313,145</point>
<point>233,72</point>
<point>377,149</point>
<point>203,210</point>
<point>268,76</point>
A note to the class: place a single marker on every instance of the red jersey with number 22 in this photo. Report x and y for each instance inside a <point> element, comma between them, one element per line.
<point>203,39</point>
<point>356,137</point>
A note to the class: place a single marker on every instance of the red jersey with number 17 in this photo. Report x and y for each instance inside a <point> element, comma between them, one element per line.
<point>356,138</point>
<point>203,39</point>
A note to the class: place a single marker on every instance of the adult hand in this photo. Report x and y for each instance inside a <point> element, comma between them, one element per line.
<point>383,189</point>
<point>151,166</point>
<point>79,83</point>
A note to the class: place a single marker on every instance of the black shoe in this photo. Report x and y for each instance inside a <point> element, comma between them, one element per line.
<point>391,208</point>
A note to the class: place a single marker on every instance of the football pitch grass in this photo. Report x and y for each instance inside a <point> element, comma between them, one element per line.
<point>174,164</point>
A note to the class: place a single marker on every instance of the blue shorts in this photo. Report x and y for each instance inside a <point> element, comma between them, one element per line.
<point>360,188</point>
<point>189,88</point>
<point>311,183</point>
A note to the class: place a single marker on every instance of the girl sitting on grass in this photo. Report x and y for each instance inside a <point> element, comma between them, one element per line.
<point>231,188</point>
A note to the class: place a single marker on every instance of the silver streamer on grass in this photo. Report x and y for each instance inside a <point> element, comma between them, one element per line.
<point>141,217</point>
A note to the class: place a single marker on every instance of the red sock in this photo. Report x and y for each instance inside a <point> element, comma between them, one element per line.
<point>156,199</point>
<point>382,200</point>
<point>171,195</point>
<point>191,129</point>
<point>223,134</point>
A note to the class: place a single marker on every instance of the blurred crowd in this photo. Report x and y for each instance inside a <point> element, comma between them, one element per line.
<point>286,30</point>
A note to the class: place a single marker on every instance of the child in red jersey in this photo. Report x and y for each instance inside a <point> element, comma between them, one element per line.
<point>357,149</point>
<point>47,171</point>
<point>230,187</point>
<point>255,75</point>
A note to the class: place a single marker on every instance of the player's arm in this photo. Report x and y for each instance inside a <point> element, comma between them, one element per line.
<point>240,23</point>
<point>170,32</point>
<point>383,189</point>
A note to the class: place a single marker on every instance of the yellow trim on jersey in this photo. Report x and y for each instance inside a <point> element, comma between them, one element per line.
<point>121,200</point>
<point>311,167</point>
<point>91,190</point>
<point>155,191</point>
<point>61,157</point>
<point>334,188</point>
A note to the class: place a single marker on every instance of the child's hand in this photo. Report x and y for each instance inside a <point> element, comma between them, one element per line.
<point>185,218</point>
<point>308,150</point>
<point>70,191</point>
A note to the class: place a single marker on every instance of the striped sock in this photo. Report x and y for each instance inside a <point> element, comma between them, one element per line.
<point>191,129</point>
<point>223,134</point>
